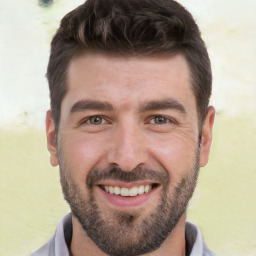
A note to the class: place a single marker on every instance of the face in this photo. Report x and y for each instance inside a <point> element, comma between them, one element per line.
<point>128,148</point>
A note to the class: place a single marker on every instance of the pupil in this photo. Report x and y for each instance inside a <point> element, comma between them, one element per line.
<point>96,120</point>
<point>160,119</point>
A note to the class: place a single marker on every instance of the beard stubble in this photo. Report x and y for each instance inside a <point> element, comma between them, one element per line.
<point>129,233</point>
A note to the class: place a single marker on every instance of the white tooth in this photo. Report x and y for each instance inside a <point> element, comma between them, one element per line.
<point>141,189</point>
<point>124,192</point>
<point>147,188</point>
<point>111,190</point>
<point>150,187</point>
<point>117,190</point>
<point>133,191</point>
<point>106,188</point>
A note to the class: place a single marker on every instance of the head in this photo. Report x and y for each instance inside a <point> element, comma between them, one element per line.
<point>130,83</point>
<point>133,28</point>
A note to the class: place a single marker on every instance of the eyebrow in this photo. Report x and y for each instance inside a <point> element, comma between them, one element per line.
<point>168,103</point>
<point>91,104</point>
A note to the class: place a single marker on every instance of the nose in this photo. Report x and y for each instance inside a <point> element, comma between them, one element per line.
<point>128,147</point>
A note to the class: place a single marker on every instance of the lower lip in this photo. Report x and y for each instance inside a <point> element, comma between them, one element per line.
<point>129,201</point>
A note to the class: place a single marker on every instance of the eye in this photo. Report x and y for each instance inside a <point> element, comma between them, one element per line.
<point>160,120</point>
<point>95,120</point>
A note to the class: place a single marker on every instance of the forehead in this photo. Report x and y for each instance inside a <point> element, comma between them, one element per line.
<point>126,79</point>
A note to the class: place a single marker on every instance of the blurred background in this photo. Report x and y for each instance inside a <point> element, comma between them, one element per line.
<point>31,201</point>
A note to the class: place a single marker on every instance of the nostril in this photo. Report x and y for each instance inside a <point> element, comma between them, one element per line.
<point>127,152</point>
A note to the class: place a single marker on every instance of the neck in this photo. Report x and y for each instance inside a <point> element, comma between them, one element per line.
<point>174,245</point>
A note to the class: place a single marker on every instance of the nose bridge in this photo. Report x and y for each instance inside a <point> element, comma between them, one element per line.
<point>128,146</point>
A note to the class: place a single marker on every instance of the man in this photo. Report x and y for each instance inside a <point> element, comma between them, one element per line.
<point>129,127</point>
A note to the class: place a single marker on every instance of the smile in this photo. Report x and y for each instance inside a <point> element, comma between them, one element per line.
<point>128,192</point>
<point>127,196</point>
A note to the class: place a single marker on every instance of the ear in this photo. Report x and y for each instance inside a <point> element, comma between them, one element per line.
<point>206,139</point>
<point>51,139</point>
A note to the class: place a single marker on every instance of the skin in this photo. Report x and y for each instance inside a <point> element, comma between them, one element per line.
<point>129,135</point>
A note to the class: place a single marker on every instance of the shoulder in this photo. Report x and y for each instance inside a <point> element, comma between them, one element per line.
<point>46,249</point>
<point>195,243</point>
<point>58,244</point>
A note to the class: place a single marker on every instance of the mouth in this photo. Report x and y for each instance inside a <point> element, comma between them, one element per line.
<point>128,195</point>
<point>128,192</point>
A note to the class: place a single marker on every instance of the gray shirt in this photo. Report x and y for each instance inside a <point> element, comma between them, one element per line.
<point>58,244</point>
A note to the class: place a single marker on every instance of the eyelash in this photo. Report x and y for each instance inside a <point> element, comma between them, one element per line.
<point>87,120</point>
<point>167,120</point>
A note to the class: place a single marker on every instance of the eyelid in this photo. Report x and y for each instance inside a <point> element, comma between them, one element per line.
<point>168,118</point>
<point>85,120</point>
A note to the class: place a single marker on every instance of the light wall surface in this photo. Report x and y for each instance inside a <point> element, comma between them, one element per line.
<point>228,28</point>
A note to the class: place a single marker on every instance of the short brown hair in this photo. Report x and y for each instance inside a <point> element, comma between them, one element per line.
<point>135,27</point>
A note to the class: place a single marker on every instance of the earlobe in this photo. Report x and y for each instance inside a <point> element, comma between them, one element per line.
<point>51,139</point>
<point>206,139</point>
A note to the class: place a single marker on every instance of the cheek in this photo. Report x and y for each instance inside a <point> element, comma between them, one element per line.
<point>176,154</point>
<point>81,153</point>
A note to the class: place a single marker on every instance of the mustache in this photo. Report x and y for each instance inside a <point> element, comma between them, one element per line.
<point>116,173</point>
